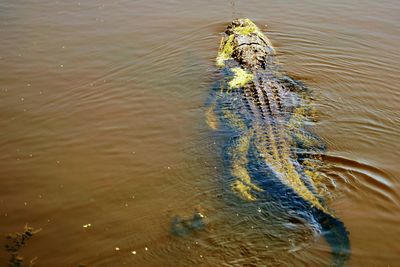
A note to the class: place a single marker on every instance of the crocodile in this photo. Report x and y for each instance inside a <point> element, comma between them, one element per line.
<point>272,150</point>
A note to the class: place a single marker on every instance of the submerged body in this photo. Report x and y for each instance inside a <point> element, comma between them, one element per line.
<point>267,116</point>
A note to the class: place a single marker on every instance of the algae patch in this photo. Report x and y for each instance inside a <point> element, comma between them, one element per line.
<point>247,27</point>
<point>225,50</point>
<point>240,79</point>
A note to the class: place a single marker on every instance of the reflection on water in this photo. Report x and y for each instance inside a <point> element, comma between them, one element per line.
<point>102,118</point>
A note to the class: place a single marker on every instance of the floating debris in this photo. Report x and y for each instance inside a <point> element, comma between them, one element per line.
<point>87,225</point>
<point>15,241</point>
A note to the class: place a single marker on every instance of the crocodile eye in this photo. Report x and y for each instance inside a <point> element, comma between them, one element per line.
<point>235,23</point>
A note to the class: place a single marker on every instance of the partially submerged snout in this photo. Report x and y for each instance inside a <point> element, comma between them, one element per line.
<point>244,43</point>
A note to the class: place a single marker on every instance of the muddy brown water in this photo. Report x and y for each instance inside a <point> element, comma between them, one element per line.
<point>102,125</point>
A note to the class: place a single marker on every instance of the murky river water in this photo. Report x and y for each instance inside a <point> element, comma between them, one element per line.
<point>102,125</point>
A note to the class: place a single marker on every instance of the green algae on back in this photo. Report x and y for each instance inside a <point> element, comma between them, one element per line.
<point>247,28</point>
<point>240,78</point>
<point>225,51</point>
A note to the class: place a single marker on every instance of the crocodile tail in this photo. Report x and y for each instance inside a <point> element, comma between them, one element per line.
<point>336,235</point>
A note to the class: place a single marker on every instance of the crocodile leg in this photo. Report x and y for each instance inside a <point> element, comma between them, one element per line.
<point>243,184</point>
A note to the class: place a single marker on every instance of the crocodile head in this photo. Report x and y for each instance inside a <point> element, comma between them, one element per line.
<point>244,43</point>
